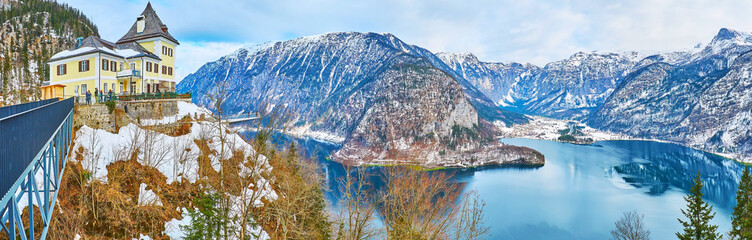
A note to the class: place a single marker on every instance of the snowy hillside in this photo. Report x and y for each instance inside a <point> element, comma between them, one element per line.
<point>704,102</point>
<point>175,157</point>
<point>373,91</point>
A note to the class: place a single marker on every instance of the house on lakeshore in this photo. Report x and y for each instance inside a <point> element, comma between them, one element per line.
<point>142,61</point>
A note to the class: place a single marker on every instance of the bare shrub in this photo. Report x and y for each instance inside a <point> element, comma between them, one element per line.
<point>630,227</point>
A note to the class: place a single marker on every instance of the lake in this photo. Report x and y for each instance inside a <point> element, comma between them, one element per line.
<point>583,189</point>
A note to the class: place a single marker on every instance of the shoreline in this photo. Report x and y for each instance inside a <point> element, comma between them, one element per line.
<point>635,139</point>
<point>316,136</point>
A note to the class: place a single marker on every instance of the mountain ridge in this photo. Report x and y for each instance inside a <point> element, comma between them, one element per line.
<point>336,83</point>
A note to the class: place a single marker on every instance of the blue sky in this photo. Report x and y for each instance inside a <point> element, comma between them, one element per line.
<point>534,31</point>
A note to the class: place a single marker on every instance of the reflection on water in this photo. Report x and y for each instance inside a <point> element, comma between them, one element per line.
<point>582,189</point>
<point>675,166</point>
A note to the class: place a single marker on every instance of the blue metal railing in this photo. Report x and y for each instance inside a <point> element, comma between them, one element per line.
<point>34,145</point>
<point>14,109</point>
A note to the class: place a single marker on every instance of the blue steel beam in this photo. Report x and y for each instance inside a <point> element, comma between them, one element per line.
<point>22,135</point>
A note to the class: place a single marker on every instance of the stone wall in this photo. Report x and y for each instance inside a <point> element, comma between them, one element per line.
<point>95,116</point>
<point>151,109</point>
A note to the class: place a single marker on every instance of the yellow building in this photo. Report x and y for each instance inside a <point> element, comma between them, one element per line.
<point>142,61</point>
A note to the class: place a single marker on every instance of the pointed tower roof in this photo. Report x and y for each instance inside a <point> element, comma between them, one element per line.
<point>153,27</point>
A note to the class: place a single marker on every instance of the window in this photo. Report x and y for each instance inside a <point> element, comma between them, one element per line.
<point>156,68</point>
<point>105,88</point>
<point>113,66</point>
<point>105,64</point>
<point>83,88</point>
<point>169,71</point>
<point>164,69</point>
<point>169,52</point>
<point>121,66</point>
<point>164,50</point>
<point>113,87</point>
<point>148,67</point>
<point>83,66</point>
<point>61,69</point>
<point>121,87</point>
<point>133,66</point>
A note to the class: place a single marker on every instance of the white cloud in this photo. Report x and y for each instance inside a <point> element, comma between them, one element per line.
<point>537,31</point>
<point>191,56</point>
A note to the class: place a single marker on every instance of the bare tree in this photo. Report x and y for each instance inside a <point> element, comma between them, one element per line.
<point>181,154</point>
<point>469,221</point>
<point>630,227</point>
<point>357,211</point>
<point>418,204</point>
<point>127,150</point>
<point>154,150</point>
<point>93,152</point>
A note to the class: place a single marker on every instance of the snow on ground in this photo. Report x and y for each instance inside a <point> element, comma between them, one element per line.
<point>175,157</point>
<point>147,197</point>
<point>172,227</point>
<point>548,129</point>
<point>305,131</point>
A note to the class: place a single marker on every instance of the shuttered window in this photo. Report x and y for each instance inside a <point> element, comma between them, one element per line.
<point>105,64</point>
<point>156,68</point>
<point>84,66</point>
<point>148,66</point>
<point>169,71</point>
<point>113,66</point>
<point>61,69</point>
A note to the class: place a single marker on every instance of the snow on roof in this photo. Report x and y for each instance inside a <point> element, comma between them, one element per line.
<point>127,53</point>
<point>68,53</point>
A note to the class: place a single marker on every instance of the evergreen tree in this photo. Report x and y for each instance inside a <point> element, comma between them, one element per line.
<point>698,214</point>
<point>206,221</point>
<point>741,219</point>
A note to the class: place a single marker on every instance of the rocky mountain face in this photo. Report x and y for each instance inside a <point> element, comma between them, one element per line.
<point>31,32</point>
<point>704,102</point>
<point>569,88</point>
<point>389,101</point>
<point>495,80</point>
<point>699,97</point>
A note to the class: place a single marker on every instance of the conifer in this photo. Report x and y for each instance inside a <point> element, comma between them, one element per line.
<point>698,214</point>
<point>741,218</point>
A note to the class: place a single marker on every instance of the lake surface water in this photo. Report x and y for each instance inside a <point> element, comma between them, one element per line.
<point>583,189</point>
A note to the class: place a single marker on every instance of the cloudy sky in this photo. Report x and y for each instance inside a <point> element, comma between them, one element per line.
<point>535,31</point>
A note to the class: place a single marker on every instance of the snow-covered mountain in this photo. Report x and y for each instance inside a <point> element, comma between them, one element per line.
<point>495,80</point>
<point>388,100</point>
<point>704,102</point>
<point>568,88</point>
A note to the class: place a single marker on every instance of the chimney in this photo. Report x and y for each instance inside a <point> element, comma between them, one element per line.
<point>164,28</point>
<point>140,24</point>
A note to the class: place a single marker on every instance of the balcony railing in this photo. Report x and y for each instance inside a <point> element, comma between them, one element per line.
<point>129,73</point>
<point>132,97</point>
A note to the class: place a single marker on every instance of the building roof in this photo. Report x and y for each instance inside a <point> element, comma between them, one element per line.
<point>93,44</point>
<point>153,27</point>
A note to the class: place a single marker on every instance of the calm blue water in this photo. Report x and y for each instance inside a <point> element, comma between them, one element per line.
<point>583,189</point>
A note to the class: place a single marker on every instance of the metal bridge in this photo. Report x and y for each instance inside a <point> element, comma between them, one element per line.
<point>237,119</point>
<point>34,144</point>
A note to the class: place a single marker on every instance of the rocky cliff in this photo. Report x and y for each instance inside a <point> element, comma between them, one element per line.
<point>705,102</point>
<point>387,100</point>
